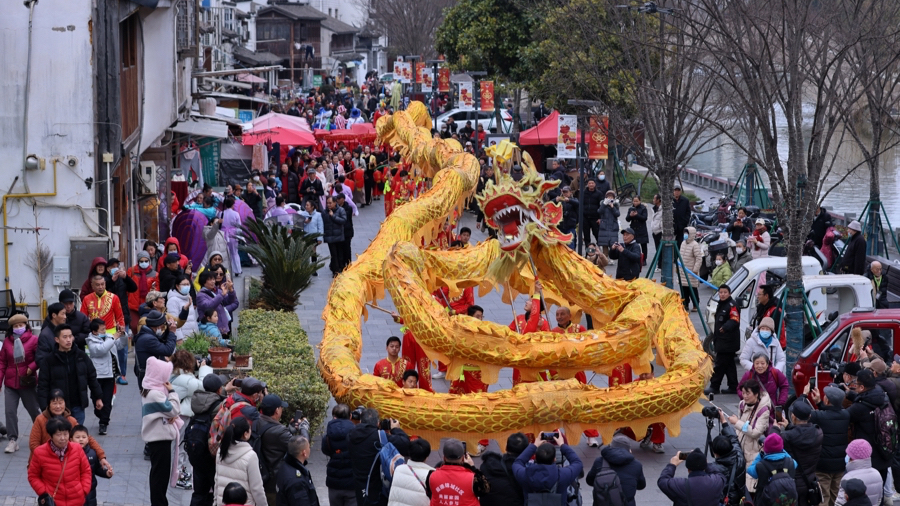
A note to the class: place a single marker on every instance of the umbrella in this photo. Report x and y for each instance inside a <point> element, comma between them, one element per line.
<point>250,78</point>
<point>274,119</point>
<point>243,210</point>
<point>279,134</point>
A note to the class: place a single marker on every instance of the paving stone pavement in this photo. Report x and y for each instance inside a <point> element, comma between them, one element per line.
<point>123,444</point>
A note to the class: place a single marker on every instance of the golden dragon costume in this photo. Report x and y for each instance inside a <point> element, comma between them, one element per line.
<point>631,318</point>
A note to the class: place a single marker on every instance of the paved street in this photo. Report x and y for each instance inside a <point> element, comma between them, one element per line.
<point>124,447</point>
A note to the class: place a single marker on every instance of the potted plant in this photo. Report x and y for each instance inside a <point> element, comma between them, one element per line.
<point>242,347</point>
<point>197,343</point>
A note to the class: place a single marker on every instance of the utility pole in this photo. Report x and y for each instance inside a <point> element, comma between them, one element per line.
<point>434,90</point>
<point>476,74</point>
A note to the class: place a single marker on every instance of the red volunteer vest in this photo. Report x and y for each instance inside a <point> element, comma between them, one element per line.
<point>452,486</point>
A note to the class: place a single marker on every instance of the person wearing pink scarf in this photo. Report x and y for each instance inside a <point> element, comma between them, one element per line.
<point>160,425</point>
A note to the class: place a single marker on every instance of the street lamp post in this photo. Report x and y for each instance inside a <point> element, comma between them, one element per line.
<point>582,160</point>
<point>434,90</point>
<point>475,74</point>
<point>413,59</point>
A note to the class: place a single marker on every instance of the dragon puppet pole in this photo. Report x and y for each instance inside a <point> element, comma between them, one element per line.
<point>540,291</point>
<point>513,308</point>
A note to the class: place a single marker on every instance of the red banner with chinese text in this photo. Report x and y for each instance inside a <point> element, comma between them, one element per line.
<point>420,67</point>
<point>598,138</point>
<point>487,95</point>
<point>444,80</point>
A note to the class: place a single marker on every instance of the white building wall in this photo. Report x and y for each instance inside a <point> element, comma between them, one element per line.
<point>347,11</point>
<point>60,125</point>
<point>162,96</point>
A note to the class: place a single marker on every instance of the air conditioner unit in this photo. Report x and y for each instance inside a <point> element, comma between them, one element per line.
<point>148,178</point>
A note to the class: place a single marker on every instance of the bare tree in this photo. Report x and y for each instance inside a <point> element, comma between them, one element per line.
<point>410,25</point>
<point>782,66</point>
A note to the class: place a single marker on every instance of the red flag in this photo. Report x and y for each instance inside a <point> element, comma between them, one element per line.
<point>444,80</point>
<point>487,95</point>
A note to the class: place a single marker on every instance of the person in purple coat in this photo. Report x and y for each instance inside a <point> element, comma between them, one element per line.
<point>222,299</point>
<point>773,380</point>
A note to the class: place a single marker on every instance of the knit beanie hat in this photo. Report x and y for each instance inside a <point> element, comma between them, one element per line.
<point>696,461</point>
<point>773,444</point>
<point>767,322</point>
<point>859,449</point>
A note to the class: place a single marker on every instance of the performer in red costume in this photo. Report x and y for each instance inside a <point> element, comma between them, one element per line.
<point>394,365</point>
<point>531,321</point>
<point>656,433</point>
<point>470,382</point>
<point>415,355</point>
<point>565,325</point>
<point>103,305</point>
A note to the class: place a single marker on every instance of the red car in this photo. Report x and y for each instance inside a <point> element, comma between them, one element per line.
<point>821,357</point>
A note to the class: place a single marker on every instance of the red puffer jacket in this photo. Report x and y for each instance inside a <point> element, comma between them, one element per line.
<point>45,469</point>
<point>9,370</point>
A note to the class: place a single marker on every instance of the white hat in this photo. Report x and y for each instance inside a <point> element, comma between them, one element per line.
<point>760,221</point>
<point>854,225</point>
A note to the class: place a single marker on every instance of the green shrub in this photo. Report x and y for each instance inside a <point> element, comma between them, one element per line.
<point>254,293</point>
<point>284,359</point>
<point>198,343</point>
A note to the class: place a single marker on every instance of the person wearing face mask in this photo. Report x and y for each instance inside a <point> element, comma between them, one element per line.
<point>741,255</point>
<point>18,373</point>
<point>693,259</point>
<point>755,410</point>
<point>120,283</point>
<point>763,341</point>
<point>722,272</point>
<point>773,381</point>
<point>179,302</point>
<point>253,199</point>
<point>146,279</point>
<point>155,339</point>
<point>854,259</point>
<point>603,185</point>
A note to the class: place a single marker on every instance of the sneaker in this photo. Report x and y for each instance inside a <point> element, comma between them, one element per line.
<point>657,448</point>
<point>184,484</point>
<point>13,446</point>
<point>102,430</point>
<point>645,443</point>
<point>122,381</point>
<point>185,474</point>
<point>593,442</point>
<point>437,375</point>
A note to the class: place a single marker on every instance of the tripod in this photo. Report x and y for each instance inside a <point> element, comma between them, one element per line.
<point>710,423</point>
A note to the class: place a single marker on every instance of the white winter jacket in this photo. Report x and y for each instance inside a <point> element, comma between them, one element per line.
<point>408,485</point>
<point>174,302</point>
<point>862,470</point>
<point>100,349</point>
<point>754,345</point>
<point>241,465</point>
<point>185,385</point>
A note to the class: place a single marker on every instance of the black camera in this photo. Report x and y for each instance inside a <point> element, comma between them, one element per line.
<point>357,413</point>
<point>710,412</point>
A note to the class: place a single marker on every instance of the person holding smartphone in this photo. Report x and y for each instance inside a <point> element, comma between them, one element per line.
<point>544,474</point>
<point>803,441</point>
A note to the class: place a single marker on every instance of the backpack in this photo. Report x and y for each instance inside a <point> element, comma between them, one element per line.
<point>196,438</point>
<point>886,423</point>
<point>221,422</point>
<point>546,498</point>
<point>388,459</point>
<point>256,439</point>
<point>607,487</point>
<point>781,489</point>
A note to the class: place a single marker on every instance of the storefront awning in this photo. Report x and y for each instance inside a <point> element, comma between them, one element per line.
<point>202,128</point>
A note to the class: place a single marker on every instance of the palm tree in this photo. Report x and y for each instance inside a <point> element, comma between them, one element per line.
<point>284,255</point>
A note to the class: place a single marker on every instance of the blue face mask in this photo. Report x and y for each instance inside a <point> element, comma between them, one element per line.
<point>184,290</point>
<point>765,334</point>
<point>685,237</point>
<point>602,177</point>
<point>847,459</point>
<point>114,270</point>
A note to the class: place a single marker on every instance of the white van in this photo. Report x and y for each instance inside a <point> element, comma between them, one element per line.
<point>744,283</point>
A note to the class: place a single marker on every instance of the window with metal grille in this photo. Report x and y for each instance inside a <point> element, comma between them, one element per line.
<point>186,27</point>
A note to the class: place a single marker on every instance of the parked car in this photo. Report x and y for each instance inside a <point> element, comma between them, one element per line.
<point>484,118</point>
<point>821,358</point>
<point>386,77</point>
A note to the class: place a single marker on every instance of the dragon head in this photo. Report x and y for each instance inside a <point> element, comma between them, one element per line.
<point>516,210</point>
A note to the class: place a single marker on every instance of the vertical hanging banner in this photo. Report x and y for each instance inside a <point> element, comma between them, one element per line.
<point>443,80</point>
<point>466,97</point>
<point>403,71</point>
<point>420,67</point>
<point>487,95</point>
<point>427,80</point>
<point>598,138</point>
<point>566,132</point>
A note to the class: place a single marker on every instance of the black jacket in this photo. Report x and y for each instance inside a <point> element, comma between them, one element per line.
<point>333,226</point>
<point>854,259</point>
<point>734,460</point>
<point>81,326</point>
<point>295,485</point>
<point>707,487</point>
<point>638,223</point>
<point>147,344</point>
<point>363,452</point>
<point>820,225</point>
<point>290,182</point>
<point>348,225</point>
<point>47,341</point>
<point>312,187</point>
<point>504,489</point>
<point>862,418</point>
<point>592,200</point>
<point>762,309</point>
<point>570,215</point>
<point>835,423</point>
<point>803,443</point>
<point>73,373</point>
<point>336,445</point>
<point>727,329</point>
<point>681,213</point>
<point>275,438</point>
<point>629,265</point>
<point>881,293</point>
<point>167,278</point>
<point>121,288</point>
<point>627,468</point>
<point>603,187</point>
<point>736,232</point>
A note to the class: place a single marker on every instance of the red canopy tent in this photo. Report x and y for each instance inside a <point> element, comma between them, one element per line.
<point>286,137</point>
<point>544,133</point>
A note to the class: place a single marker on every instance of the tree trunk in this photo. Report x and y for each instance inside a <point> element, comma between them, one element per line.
<point>667,255</point>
